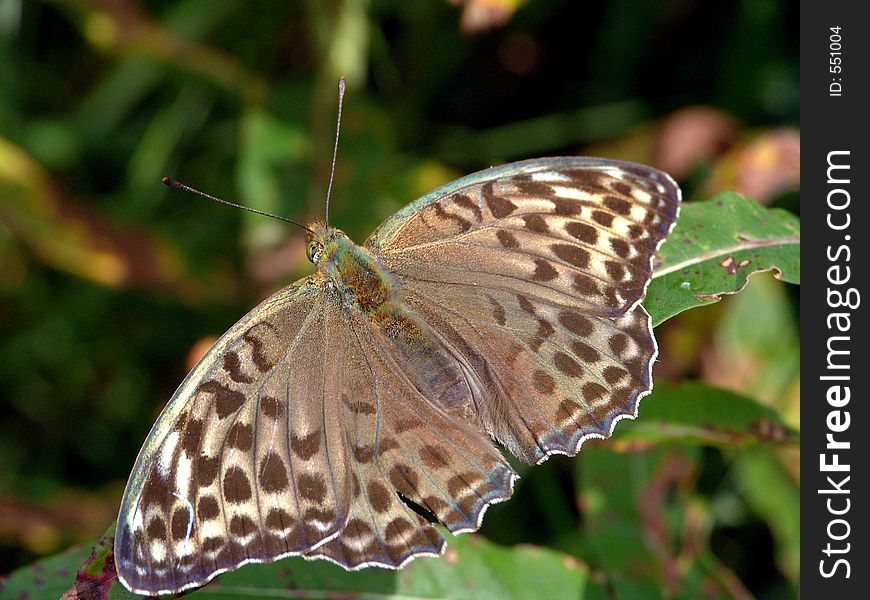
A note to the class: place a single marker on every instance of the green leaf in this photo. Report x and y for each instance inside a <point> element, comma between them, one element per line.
<point>699,414</point>
<point>758,347</point>
<point>267,145</point>
<point>767,487</point>
<point>647,527</point>
<point>472,567</point>
<point>716,245</point>
<point>47,579</point>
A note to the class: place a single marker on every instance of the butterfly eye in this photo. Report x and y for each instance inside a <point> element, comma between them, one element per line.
<point>313,251</point>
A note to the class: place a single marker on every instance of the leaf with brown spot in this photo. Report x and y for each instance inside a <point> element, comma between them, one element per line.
<point>729,227</point>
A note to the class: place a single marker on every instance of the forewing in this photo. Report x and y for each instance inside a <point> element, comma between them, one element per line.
<point>532,275</point>
<point>580,232</point>
<point>247,463</point>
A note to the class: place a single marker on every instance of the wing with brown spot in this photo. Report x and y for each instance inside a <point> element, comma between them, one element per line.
<point>531,275</point>
<point>248,461</point>
<point>577,232</point>
<point>546,377</point>
<point>405,405</point>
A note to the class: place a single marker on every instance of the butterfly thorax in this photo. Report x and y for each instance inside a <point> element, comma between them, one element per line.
<point>361,281</point>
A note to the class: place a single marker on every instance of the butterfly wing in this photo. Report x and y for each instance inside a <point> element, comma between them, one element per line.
<point>400,399</point>
<point>244,464</point>
<point>532,275</point>
<point>292,436</point>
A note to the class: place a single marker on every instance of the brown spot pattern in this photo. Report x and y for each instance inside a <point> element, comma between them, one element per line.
<point>617,343</point>
<point>364,454</point>
<point>386,444</point>
<point>499,206</point>
<point>435,504</point>
<point>206,470</point>
<point>404,479</point>
<point>241,525</point>
<point>227,401</point>
<point>544,271</point>
<point>506,238</point>
<point>593,392</point>
<point>498,312</point>
<point>378,496</point>
<point>213,544</point>
<point>156,528</point>
<point>587,179</point>
<point>237,488</point>
<point>526,304</point>
<point>585,285</point>
<point>602,218</point>
<point>305,446</point>
<point>571,254</point>
<point>463,223</point>
<point>613,374</point>
<point>536,223</point>
<point>434,457</point>
<point>621,187</point>
<point>467,203</point>
<point>191,439</point>
<point>398,527</point>
<point>566,207</point>
<point>273,474</point>
<point>582,231</point>
<point>565,413</point>
<point>585,352</point>
<point>618,205</point>
<point>635,231</point>
<point>567,365</point>
<point>543,382</point>
<point>233,367</point>
<point>279,519</point>
<point>324,515</point>
<point>615,270</point>
<point>240,436</point>
<point>576,324</point>
<point>538,189</point>
<point>620,247</point>
<point>272,407</point>
<point>545,328</point>
<point>207,508</point>
<point>180,519</point>
<point>254,337</point>
<point>311,487</point>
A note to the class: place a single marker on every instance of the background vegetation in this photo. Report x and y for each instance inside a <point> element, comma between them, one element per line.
<point>111,285</point>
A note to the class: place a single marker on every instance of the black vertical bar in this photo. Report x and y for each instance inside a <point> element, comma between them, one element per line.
<point>835,421</point>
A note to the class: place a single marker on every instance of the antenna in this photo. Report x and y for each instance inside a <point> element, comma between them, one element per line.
<point>177,185</point>
<point>341,87</point>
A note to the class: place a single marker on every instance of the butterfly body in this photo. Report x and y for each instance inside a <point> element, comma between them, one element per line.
<point>354,272</point>
<point>365,287</point>
<point>503,306</point>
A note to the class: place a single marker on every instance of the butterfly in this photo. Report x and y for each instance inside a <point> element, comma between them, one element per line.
<point>504,306</point>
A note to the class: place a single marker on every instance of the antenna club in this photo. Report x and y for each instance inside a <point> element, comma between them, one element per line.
<point>342,84</point>
<point>168,182</point>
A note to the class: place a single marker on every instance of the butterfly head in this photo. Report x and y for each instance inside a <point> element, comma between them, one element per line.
<point>354,272</point>
<point>323,241</point>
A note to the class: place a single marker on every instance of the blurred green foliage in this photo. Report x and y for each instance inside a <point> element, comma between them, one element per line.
<point>108,280</point>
